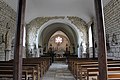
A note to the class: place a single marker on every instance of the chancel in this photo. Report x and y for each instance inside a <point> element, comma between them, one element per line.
<point>59,39</point>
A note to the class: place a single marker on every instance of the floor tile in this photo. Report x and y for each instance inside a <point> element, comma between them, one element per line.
<point>58,71</point>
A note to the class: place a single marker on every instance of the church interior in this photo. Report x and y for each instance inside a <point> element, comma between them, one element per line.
<point>59,39</point>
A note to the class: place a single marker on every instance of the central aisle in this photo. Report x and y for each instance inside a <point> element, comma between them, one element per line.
<point>58,71</point>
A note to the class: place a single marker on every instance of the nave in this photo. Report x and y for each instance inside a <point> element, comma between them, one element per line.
<point>58,71</point>
<point>58,35</point>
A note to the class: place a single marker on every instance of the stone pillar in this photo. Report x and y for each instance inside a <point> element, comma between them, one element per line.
<point>79,53</point>
<point>87,44</point>
<point>38,52</point>
<point>7,55</point>
<point>102,52</point>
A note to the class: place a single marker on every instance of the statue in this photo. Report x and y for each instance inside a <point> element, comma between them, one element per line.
<point>81,48</point>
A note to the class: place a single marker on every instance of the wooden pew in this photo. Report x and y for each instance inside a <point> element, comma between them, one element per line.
<point>6,68</point>
<point>79,71</point>
<point>113,72</point>
<point>7,72</point>
<point>42,64</point>
<point>74,64</point>
<point>114,76</point>
<point>86,68</point>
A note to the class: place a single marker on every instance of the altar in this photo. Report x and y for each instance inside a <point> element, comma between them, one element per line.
<point>59,54</point>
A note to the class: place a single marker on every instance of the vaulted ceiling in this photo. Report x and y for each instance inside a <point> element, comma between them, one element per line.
<point>51,29</point>
<point>36,8</point>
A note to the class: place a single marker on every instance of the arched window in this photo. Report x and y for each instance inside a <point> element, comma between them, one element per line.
<point>58,39</point>
<point>24,35</point>
<point>90,37</point>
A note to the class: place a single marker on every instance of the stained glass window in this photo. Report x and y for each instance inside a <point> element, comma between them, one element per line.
<point>58,39</point>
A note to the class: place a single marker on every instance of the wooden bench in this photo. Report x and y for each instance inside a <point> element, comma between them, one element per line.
<point>79,69</point>
<point>83,69</point>
<point>36,67</point>
<point>6,70</point>
<point>113,72</point>
<point>114,76</point>
<point>75,66</point>
<point>44,64</point>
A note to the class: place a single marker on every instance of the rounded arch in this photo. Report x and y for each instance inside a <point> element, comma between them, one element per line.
<point>72,27</point>
<point>63,21</point>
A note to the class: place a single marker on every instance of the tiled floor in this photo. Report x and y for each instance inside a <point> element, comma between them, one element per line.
<point>58,71</point>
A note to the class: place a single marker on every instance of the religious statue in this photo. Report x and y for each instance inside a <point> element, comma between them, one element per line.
<point>81,49</point>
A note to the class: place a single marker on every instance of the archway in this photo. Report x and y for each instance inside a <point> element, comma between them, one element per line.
<point>65,26</point>
<point>60,44</point>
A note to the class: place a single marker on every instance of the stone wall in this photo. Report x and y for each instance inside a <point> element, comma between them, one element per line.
<point>35,24</point>
<point>7,29</point>
<point>112,28</point>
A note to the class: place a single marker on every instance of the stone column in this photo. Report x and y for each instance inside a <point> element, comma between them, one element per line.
<point>8,55</point>
<point>38,52</point>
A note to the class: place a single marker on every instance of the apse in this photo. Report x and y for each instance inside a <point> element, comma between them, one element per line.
<point>59,42</point>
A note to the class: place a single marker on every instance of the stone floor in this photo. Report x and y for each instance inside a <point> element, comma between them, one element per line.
<point>58,71</point>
